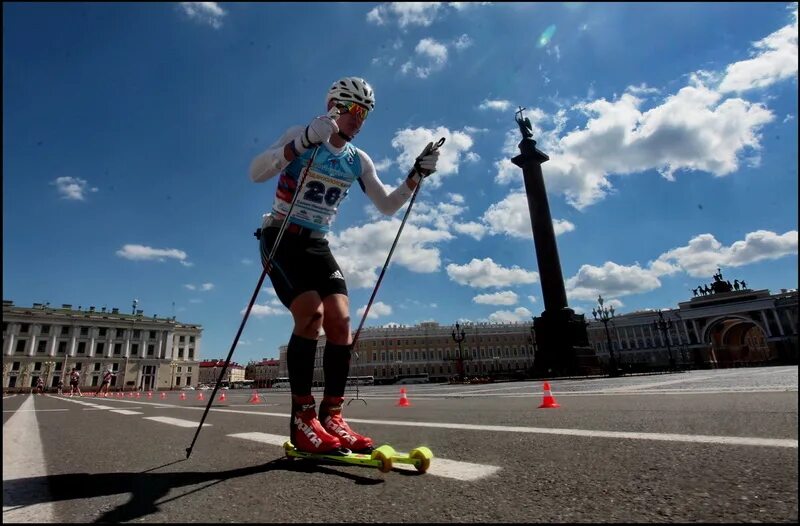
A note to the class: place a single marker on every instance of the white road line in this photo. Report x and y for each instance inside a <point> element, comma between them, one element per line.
<point>440,467</point>
<point>23,458</point>
<point>174,421</point>
<point>657,384</point>
<point>125,412</point>
<point>33,410</point>
<point>666,437</point>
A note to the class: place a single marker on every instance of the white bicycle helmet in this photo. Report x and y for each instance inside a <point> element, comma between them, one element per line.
<point>354,89</point>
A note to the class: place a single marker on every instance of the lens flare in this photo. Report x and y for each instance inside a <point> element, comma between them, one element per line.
<point>544,39</point>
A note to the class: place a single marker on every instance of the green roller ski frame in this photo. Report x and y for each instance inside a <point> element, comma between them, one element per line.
<point>382,457</point>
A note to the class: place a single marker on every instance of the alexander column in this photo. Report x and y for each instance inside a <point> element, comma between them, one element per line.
<point>561,337</point>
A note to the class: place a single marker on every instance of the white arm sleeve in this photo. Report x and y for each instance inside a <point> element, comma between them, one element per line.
<point>386,203</point>
<point>269,163</point>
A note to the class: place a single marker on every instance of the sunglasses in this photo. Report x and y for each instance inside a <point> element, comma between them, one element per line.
<point>356,110</point>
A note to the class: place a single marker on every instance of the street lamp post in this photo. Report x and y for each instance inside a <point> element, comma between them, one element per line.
<point>665,325</point>
<point>605,314</point>
<point>49,364</point>
<point>532,341</point>
<point>458,336</point>
<point>172,365</point>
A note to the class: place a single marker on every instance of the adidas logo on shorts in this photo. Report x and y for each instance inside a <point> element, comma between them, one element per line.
<point>336,275</point>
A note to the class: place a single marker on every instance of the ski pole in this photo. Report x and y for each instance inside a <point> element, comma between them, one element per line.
<point>334,112</point>
<point>428,149</point>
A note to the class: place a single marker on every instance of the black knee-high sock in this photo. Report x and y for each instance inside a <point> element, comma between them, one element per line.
<point>336,366</point>
<point>300,355</point>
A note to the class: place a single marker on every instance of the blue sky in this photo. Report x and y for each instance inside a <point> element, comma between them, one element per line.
<point>129,129</point>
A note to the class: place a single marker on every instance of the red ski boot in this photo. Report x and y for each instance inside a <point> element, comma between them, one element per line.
<point>330,414</point>
<point>305,430</point>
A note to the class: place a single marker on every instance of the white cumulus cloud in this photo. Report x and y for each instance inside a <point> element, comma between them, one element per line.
<point>145,253</point>
<point>377,310</point>
<point>704,126</point>
<point>73,188</point>
<point>411,142</point>
<point>775,59</point>
<point>484,273</point>
<point>204,12</point>
<point>505,297</point>
<point>519,314</point>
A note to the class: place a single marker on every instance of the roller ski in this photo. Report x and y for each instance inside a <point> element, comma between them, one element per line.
<point>330,439</point>
<point>383,458</point>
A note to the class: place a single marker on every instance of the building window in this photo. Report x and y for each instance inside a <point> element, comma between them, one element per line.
<point>64,330</point>
<point>151,349</point>
<point>84,331</point>
<point>97,366</point>
<point>182,339</point>
<point>177,381</point>
<point>191,354</point>
<point>81,347</point>
<point>179,369</point>
<point>15,366</point>
<point>134,349</point>
<point>191,339</point>
<point>117,348</point>
<point>188,380</point>
<point>188,369</point>
<point>99,348</point>
<point>45,329</point>
<point>24,328</point>
<point>62,347</point>
<point>41,346</point>
<point>21,346</point>
<point>37,366</point>
<point>5,328</point>
<point>137,333</point>
<point>120,333</point>
<point>102,331</point>
<point>180,353</point>
<point>152,334</point>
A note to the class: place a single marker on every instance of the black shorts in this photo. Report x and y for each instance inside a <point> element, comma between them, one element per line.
<point>73,384</point>
<point>301,264</point>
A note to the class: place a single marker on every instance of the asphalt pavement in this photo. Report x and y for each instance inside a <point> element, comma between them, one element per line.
<point>700,446</point>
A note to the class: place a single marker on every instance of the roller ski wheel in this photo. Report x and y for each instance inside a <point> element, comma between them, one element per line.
<point>419,457</point>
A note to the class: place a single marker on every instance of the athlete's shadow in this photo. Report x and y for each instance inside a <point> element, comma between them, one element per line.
<point>146,488</point>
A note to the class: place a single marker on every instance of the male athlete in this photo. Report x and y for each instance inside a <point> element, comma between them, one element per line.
<point>108,374</point>
<point>304,273</point>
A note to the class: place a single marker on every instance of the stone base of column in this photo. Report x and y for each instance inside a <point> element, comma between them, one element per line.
<point>562,346</point>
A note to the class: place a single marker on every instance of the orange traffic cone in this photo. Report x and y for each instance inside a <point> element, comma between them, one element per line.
<point>138,394</point>
<point>200,395</point>
<point>549,401</point>
<point>182,396</point>
<point>255,399</point>
<point>222,397</point>
<point>149,394</point>
<point>163,395</point>
<point>403,402</point>
<point>119,394</point>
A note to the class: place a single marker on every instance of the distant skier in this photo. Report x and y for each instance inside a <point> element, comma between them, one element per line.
<point>108,374</point>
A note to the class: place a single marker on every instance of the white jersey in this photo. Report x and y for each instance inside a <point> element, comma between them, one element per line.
<point>328,181</point>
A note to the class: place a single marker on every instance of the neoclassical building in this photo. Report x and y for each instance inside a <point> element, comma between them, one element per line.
<point>388,353</point>
<point>145,352</point>
<point>727,329</point>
